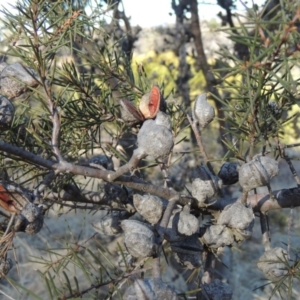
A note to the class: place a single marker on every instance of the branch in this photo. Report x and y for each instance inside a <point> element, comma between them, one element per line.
<point>66,167</point>
<point>284,198</point>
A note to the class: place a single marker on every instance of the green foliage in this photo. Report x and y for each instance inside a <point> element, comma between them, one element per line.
<point>261,80</point>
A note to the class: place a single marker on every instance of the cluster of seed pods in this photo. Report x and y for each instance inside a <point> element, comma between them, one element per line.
<point>233,224</point>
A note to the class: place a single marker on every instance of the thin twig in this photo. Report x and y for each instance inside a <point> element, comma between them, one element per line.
<point>161,230</point>
<point>128,167</point>
<point>290,226</point>
<point>9,225</point>
<point>200,144</point>
<point>4,294</point>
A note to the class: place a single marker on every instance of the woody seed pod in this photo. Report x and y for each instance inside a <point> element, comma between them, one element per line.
<point>205,187</point>
<point>203,112</point>
<point>13,197</point>
<point>148,108</point>
<point>257,172</point>
<point>15,79</point>
<point>270,263</point>
<point>155,139</point>
<point>187,224</point>
<point>150,289</point>
<point>181,224</point>
<point>149,206</point>
<point>229,173</point>
<point>129,113</point>
<point>30,219</point>
<point>188,252</point>
<point>238,217</point>
<point>217,236</point>
<point>217,290</point>
<point>7,111</point>
<point>149,104</point>
<point>139,238</point>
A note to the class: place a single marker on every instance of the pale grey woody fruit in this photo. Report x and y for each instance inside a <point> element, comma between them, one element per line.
<point>257,172</point>
<point>203,112</point>
<point>238,217</point>
<point>139,238</point>
<point>181,224</point>
<point>149,207</point>
<point>149,289</point>
<point>155,138</point>
<point>271,263</point>
<point>15,79</point>
<point>30,219</point>
<point>217,236</point>
<point>7,111</point>
<point>188,224</point>
<point>127,115</point>
<point>205,187</point>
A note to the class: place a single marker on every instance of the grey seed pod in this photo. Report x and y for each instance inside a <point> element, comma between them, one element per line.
<point>217,236</point>
<point>270,263</point>
<point>15,80</point>
<point>257,172</point>
<point>129,113</point>
<point>241,235</point>
<point>18,196</point>
<point>203,112</point>
<point>188,252</point>
<point>149,289</point>
<point>187,224</point>
<point>238,216</point>
<point>149,206</point>
<point>101,160</point>
<point>217,290</point>
<point>7,111</point>
<point>5,266</point>
<point>139,238</point>
<point>155,139</point>
<point>30,219</point>
<point>229,173</point>
<point>163,120</point>
<point>115,193</point>
<point>205,187</point>
<point>109,224</point>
